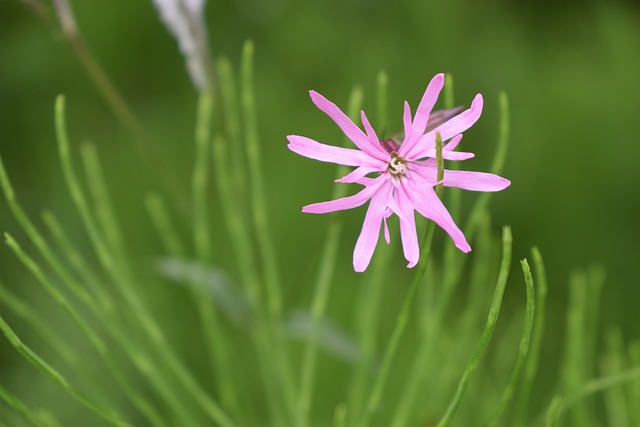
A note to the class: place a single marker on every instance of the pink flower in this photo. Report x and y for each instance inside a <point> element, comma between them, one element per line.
<point>398,179</point>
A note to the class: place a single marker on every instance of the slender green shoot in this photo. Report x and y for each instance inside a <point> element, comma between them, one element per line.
<point>108,415</point>
<point>263,235</point>
<point>367,316</point>
<point>382,94</point>
<point>159,214</point>
<point>122,277</point>
<point>242,246</point>
<point>561,405</point>
<point>524,345</point>
<point>494,311</point>
<point>213,335</point>
<point>35,320</point>
<point>531,368</point>
<point>30,415</point>
<point>322,288</point>
<point>496,166</point>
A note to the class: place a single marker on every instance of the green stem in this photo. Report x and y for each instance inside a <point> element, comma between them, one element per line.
<point>243,250</point>
<point>524,345</point>
<point>494,311</point>
<point>122,278</point>
<point>43,366</point>
<point>213,334</point>
<point>321,291</point>
<point>261,224</point>
<point>536,340</point>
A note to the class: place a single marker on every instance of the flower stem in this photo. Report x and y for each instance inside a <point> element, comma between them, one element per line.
<point>494,311</point>
<point>524,345</point>
<point>536,340</point>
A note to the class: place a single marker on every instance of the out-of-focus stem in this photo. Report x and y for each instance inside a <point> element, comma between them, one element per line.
<point>107,89</point>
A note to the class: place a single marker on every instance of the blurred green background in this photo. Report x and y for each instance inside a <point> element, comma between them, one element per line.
<point>571,70</point>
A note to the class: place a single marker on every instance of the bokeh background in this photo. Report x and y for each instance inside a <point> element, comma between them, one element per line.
<point>571,70</point>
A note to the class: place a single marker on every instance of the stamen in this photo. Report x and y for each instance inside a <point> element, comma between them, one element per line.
<point>397,165</point>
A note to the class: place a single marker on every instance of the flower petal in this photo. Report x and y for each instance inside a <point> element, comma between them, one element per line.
<point>371,133</point>
<point>368,238</point>
<point>422,114</point>
<point>357,174</point>
<point>475,181</point>
<point>448,154</point>
<point>408,231</point>
<point>328,153</point>
<point>452,144</point>
<point>449,129</point>
<point>345,203</point>
<point>427,203</point>
<point>406,118</point>
<point>387,237</point>
<point>352,131</point>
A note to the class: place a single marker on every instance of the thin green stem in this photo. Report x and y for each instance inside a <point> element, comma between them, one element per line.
<point>212,330</point>
<point>612,362</point>
<point>75,287</point>
<point>32,317</point>
<point>574,367</point>
<point>20,407</point>
<point>321,291</point>
<point>524,345</point>
<point>35,360</point>
<point>261,224</point>
<point>243,249</point>
<point>497,165</point>
<point>367,315</point>
<point>161,220</point>
<point>560,405</point>
<point>494,311</point>
<point>382,102</point>
<point>200,176</point>
<point>98,344</point>
<point>531,368</point>
<point>122,277</point>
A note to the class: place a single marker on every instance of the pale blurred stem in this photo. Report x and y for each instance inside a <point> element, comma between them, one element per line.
<point>28,414</point>
<point>492,319</point>
<point>95,341</point>
<point>322,289</point>
<point>101,312</point>
<point>560,405</point>
<point>113,97</point>
<point>100,78</point>
<point>213,335</point>
<point>243,251</point>
<point>497,165</point>
<point>230,171</point>
<point>367,316</point>
<point>121,275</point>
<point>405,310</point>
<point>38,9</point>
<point>263,236</point>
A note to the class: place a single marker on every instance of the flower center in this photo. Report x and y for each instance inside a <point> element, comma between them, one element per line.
<point>397,165</point>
